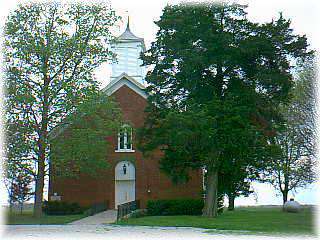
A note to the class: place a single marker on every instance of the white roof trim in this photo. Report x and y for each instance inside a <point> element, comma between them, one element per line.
<point>130,82</point>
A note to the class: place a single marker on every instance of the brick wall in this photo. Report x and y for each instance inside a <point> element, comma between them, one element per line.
<point>88,190</point>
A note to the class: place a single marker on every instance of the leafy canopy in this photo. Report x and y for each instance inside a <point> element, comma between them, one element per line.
<point>51,51</point>
<point>215,82</point>
<point>80,144</point>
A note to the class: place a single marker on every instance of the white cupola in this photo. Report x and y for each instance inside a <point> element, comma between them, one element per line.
<point>128,48</point>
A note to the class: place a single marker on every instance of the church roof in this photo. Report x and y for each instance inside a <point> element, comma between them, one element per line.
<point>130,82</point>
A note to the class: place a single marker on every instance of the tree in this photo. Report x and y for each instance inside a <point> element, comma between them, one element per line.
<point>13,179</point>
<point>220,194</point>
<point>21,188</point>
<point>17,178</point>
<point>50,53</point>
<point>215,83</point>
<point>293,158</point>
<point>16,164</point>
<point>234,183</point>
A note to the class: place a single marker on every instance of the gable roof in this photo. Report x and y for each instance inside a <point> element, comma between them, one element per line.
<point>125,79</point>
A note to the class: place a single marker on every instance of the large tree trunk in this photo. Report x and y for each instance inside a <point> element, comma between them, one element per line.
<point>231,202</point>
<point>42,145</point>
<point>42,142</point>
<point>37,210</point>
<point>41,171</point>
<point>40,175</point>
<point>211,201</point>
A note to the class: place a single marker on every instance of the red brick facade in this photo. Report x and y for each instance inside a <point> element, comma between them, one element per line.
<point>87,190</point>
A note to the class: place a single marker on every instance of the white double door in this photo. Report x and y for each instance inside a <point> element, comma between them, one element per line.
<point>125,191</point>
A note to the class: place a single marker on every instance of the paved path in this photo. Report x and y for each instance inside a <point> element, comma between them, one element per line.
<point>109,216</point>
<point>113,232</point>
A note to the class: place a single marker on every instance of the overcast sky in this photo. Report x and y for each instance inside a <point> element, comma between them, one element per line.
<point>305,20</point>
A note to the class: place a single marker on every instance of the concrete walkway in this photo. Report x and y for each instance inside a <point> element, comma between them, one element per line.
<point>109,216</point>
<point>113,232</point>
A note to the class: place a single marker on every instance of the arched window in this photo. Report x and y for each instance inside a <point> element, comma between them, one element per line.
<point>125,139</point>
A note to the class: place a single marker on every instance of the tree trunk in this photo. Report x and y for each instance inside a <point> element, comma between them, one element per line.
<point>37,209</point>
<point>10,201</point>
<point>284,196</point>
<point>231,202</point>
<point>42,145</point>
<point>21,207</point>
<point>211,201</point>
<point>10,193</point>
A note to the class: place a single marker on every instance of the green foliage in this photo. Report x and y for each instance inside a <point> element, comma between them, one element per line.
<point>80,144</point>
<point>17,173</point>
<point>21,188</point>
<point>235,181</point>
<point>61,208</point>
<point>220,203</point>
<point>17,164</point>
<point>51,51</point>
<point>175,207</point>
<point>215,84</point>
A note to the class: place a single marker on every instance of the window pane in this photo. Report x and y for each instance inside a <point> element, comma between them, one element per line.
<point>121,139</point>
<point>125,138</point>
<point>129,139</point>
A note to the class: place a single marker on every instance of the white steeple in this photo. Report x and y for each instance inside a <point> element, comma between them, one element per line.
<point>128,48</point>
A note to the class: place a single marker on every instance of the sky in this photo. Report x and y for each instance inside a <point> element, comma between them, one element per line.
<point>305,18</point>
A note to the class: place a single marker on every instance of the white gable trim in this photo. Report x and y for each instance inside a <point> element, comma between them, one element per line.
<point>130,82</point>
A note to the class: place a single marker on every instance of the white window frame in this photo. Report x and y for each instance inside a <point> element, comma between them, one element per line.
<point>125,141</point>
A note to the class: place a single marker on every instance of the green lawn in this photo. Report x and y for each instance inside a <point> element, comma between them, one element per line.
<point>254,219</point>
<point>27,218</point>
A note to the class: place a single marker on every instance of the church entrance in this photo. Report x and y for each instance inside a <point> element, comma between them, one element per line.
<point>125,183</point>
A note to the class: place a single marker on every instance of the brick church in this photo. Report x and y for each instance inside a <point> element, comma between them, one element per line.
<point>131,176</point>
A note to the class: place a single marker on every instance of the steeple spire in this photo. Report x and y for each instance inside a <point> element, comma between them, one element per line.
<point>128,23</point>
<point>128,35</point>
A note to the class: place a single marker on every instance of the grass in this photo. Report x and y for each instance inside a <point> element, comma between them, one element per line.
<point>27,218</point>
<point>254,219</point>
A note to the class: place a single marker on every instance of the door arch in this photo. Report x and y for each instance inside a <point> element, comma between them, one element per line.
<point>125,183</point>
